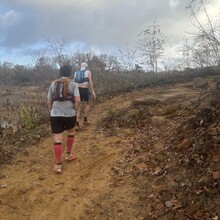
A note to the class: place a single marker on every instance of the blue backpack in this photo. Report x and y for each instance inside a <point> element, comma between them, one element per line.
<point>80,77</point>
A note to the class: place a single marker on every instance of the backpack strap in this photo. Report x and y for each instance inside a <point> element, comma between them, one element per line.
<point>66,92</point>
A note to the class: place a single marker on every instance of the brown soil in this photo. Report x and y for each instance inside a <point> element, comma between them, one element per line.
<point>153,169</point>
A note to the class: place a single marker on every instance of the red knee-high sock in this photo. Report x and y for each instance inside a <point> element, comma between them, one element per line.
<point>69,143</point>
<point>58,152</point>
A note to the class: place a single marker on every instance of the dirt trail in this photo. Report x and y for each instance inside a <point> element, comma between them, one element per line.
<point>88,187</point>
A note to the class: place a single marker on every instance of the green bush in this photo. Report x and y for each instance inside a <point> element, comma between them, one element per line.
<point>25,117</point>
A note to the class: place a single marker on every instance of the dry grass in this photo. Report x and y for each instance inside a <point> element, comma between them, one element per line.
<point>18,129</point>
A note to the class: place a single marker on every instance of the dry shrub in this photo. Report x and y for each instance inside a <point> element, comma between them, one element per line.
<point>108,84</point>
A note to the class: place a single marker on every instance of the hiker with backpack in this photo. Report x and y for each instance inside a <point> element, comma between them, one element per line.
<point>63,102</point>
<point>83,78</point>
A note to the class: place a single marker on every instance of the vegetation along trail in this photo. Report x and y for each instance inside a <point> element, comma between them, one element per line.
<point>128,165</point>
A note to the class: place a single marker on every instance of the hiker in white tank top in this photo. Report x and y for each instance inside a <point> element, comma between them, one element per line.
<point>83,78</point>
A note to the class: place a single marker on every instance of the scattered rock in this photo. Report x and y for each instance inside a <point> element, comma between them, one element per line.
<point>200,83</point>
<point>170,110</point>
<point>168,204</point>
<point>166,196</point>
<point>146,101</point>
<point>192,209</point>
<point>172,186</point>
<point>185,144</point>
<point>141,166</point>
<point>4,185</point>
<point>216,175</point>
<point>160,157</point>
<point>159,206</point>
<point>130,115</point>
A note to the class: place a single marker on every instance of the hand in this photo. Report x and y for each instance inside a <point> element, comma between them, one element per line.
<point>94,95</point>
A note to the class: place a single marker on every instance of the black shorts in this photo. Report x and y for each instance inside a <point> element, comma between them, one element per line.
<point>84,94</point>
<point>60,124</point>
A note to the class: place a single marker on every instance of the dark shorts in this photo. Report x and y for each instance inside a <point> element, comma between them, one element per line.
<point>60,124</point>
<point>84,94</point>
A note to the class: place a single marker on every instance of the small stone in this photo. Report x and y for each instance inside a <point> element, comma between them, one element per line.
<point>166,196</point>
<point>190,210</point>
<point>215,158</point>
<point>5,185</point>
<point>160,158</point>
<point>172,186</point>
<point>185,144</point>
<point>168,204</point>
<point>159,206</point>
<point>216,175</point>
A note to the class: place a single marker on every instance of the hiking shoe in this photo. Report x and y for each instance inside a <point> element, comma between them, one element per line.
<point>57,168</point>
<point>70,157</point>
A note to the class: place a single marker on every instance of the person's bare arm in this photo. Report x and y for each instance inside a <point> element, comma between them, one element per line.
<point>91,85</point>
<point>77,103</point>
<point>49,98</point>
<point>49,104</point>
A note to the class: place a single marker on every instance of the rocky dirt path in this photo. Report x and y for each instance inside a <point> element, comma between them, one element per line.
<point>113,177</point>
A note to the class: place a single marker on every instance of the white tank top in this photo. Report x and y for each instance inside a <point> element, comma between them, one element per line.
<point>84,84</point>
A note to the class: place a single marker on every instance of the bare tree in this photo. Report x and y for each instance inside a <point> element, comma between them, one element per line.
<point>203,53</point>
<point>78,58</point>
<point>57,47</point>
<point>95,62</point>
<point>111,62</point>
<point>37,55</point>
<point>186,53</point>
<point>207,31</point>
<point>151,44</point>
<point>127,57</point>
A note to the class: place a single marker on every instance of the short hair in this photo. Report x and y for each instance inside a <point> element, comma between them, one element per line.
<point>65,71</point>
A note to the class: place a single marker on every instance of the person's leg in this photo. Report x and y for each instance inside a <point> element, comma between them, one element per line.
<point>79,110</point>
<point>57,128</point>
<point>77,118</point>
<point>83,108</point>
<point>86,112</point>
<point>86,106</point>
<point>58,152</point>
<point>69,145</point>
<point>70,124</point>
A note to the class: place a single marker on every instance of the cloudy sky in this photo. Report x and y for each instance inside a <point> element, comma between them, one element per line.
<point>99,25</point>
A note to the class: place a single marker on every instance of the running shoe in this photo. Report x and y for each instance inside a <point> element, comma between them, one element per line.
<point>58,168</point>
<point>70,157</point>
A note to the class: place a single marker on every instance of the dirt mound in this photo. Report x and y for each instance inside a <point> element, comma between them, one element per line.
<point>176,156</point>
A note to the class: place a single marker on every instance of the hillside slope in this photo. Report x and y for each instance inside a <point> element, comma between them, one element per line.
<point>153,158</point>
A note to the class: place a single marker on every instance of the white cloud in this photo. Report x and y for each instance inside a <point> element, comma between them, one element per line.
<point>174,3</point>
<point>96,24</point>
<point>10,18</point>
